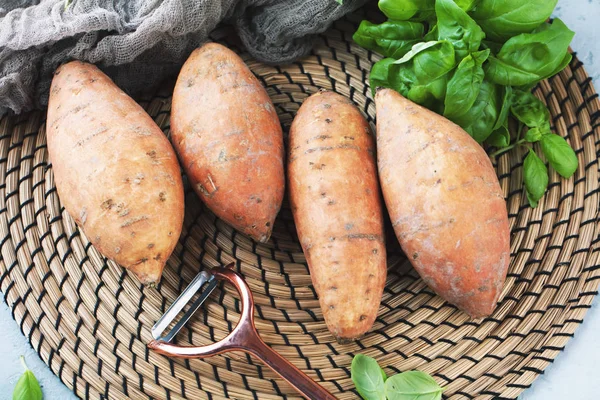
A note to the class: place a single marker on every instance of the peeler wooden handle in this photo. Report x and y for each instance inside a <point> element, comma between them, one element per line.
<point>245,337</point>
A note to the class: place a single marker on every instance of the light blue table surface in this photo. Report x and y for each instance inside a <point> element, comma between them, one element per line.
<point>574,374</point>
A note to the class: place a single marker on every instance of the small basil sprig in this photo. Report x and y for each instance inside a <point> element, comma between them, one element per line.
<point>530,110</point>
<point>532,113</point>
<point>372,383</point>
<point>27,387</point>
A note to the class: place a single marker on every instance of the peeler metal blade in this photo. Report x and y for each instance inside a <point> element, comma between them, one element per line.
<point>195,285</point>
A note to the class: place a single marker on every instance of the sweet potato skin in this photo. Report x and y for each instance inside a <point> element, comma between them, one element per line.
<point>227,135</point>
<point>115,171</point>
<point>445,203</point>
<point>336,203</point>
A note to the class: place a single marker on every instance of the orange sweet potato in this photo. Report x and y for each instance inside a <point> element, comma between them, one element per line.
<point>336,203</point>
<point>227,134</point>
<point>116,172</point>
<point>445,203</point>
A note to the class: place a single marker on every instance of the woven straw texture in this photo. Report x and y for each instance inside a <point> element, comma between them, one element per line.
<point>89,320</point>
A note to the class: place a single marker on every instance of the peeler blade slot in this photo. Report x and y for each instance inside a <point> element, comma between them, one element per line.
<point>178,305</point>
<point>195,306</point>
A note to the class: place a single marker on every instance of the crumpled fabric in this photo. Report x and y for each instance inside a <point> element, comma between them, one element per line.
<point>140,43</point>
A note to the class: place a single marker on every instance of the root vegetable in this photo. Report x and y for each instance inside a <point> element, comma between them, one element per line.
<point>445,203</point>
<point>228,137</point>
<point>336,203</point>
<point>116,172</point>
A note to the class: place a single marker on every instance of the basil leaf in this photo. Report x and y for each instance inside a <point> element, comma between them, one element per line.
<point>423,75</point>
<point>27,387</point>
<point>530,110</point>
<point>559,154</point>
<point>565,61</point>
<point>505,108</point>
<point>528,58</point>
<point>464,86</point>
<point>481,118</point>
<point>340,1</point>
<point>466,5</point>
<point>456,26</point>
<point>416,49</point>
<point>535,177</point>
<point>392,38</point>
<point>500,137</point>
<point>533,134</point>
<point>380,73</point>
<point>368,377</point>
<point>412,385</point>
<point>402,10</point>
<point>432,35</point>
<point>493,46</point>
<point>503,19</point>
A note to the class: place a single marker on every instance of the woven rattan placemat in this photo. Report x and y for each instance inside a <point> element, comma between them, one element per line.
<point>89,320</point>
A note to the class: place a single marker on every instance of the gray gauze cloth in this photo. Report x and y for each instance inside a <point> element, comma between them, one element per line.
<point>139,43</point>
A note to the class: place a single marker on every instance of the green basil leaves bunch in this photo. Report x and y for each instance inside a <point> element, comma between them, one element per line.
<point>475,62</point>
<point>373,384</point>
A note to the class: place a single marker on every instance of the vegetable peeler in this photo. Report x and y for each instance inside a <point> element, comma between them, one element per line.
<point>243,337</point>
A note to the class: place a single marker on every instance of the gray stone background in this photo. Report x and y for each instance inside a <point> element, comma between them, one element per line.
<point>573,375</point>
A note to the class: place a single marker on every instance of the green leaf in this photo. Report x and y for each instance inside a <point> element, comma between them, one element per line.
<point>506,102</point>
<point>565,61</point>
<point>340,1</point>
<point>27,387</point>
<point>416,49</point>
<point>533,135</point>
<point>503,19</point>
<point>368,377</point>
<point>500,137</point>
<point>529,109</point>
<point>464,86</point>
<point>456,26</point>
<point>422,76</point>
<point>432,34</point>
<point>481,118</point>
<point>466,5</point>
<point>392,38</point>
<point>559,154</point>
<point>493,46</point>
<point>528,58</point>
<point>379,76</point>
<point>402,10</point>
<point>412,385</point>
<point>535,177</point>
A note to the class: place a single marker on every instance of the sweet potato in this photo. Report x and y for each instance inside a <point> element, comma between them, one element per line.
<point>336,203</point>
<point>445,203</point>
<point>116,172</point>
<point>228,137</point>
